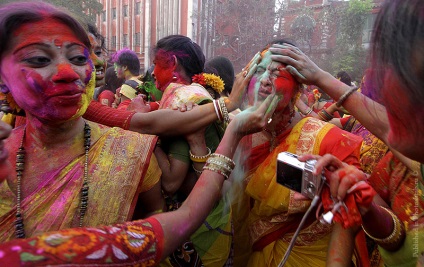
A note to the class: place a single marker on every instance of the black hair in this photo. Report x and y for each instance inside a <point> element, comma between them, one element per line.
<point>94,31</point>
<point>189,54</point>
<point>112,82</point>
<point>344,77</point>
<point>397,46</point>
<point>128,58</point>
<point>222,67</point>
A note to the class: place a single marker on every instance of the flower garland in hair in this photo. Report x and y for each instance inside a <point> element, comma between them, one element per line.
<point>211,80</point>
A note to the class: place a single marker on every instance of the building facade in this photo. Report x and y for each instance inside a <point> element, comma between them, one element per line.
<point>139,24</point>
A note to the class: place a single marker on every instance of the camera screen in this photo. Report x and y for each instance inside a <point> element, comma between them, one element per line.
<point>289,176</point>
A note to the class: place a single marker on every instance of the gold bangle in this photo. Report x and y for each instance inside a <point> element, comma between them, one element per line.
<point>224,110</point>
<point>229,161</point>
<point>307,112</point>
<point>324,115</point>
<point>196,170</point>
<point>395,236</point>
<point>200,159</point>
<point>343,98</point>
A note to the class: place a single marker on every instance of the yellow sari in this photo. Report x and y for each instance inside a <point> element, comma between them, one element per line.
<point>275,214</point>
<point>118,163</point>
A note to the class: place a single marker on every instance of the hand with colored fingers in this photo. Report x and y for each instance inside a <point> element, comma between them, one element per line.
<point>241,82</point>
<point>347,185</point>
<point>139,104</point>
<point>298,64</point>
<point>254,118</point>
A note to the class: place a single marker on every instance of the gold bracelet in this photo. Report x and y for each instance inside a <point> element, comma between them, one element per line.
<point>324,115</point>
<point>307,112</point>
<point>200,159</point>
<point>224,110</point>
<point>343,98</point>
<point>395,236</point>
<point>196,170</point>
<point>229,161</point>
<point>220,164</point>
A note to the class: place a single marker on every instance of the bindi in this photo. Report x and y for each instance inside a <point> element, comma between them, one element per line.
<point>58,43</point>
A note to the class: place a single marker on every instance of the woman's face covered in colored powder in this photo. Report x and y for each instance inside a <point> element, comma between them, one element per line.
<point>98,59</point>
<point>271,77</point>
<point>47,71</point>
<point>163,71</point>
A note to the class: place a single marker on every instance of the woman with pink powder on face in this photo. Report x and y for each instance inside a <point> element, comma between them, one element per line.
<point>49,75</point>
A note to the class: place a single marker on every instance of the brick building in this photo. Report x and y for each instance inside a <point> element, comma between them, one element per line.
<point>139,24</point>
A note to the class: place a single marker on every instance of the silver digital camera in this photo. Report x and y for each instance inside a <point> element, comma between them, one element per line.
<point>297,175</point>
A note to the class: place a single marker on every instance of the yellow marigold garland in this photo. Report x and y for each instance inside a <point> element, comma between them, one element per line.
<point>211,80</point>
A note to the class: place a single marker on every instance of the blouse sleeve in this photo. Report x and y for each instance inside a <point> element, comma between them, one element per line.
<point>108,116</point>
<point>132,243</point>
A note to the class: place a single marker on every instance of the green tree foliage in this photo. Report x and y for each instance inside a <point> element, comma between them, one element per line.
<point>349,54</point>
<point>85,9</point>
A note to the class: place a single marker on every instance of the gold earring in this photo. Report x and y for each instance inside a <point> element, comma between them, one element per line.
<point>5,105</point>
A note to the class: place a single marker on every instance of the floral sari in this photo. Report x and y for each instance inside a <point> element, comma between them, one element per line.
<point>403,190</point>
<point>118,162</point>
<point>275,214</point>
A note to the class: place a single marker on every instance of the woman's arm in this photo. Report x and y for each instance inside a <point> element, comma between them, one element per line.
<point>340,248</point>
<point>208,188</point>
<point>174,171</point>
<point>144,241</point>
<point>371,114</point>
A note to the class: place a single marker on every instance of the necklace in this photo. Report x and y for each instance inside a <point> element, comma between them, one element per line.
<point>273,141</point>
<point>20,166</point>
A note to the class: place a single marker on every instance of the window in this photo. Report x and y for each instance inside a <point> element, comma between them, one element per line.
<point>137,40</point>
<point>103,15</point>
<point>113,42</point>
<point>125,40</point>
<point>368,28</point>
<point>137,8</point>
<point>125,11</point>
<point>114,13</point>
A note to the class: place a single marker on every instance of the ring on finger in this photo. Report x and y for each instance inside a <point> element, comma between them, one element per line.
<point>245,73</point>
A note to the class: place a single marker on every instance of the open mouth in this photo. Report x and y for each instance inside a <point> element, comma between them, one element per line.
<point>100,72</point>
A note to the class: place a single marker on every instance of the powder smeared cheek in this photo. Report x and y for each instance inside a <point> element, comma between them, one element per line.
<point>252,90</point>
<point>86,97</point>
<point>35,81</point>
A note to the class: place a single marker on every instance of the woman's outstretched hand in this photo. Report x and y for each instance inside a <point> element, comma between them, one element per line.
<point>298,64</point>
<point>241,82</point>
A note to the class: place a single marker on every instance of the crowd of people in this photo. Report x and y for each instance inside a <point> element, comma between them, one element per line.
<point>101,164</point>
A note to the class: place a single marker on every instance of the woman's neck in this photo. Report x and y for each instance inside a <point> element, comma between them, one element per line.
<point>280,121</point>
<point>52,135</point>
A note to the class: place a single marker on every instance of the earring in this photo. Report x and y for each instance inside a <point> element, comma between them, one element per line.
<point>5,106</point>
<point>174,77</point>
<point>4,89</point>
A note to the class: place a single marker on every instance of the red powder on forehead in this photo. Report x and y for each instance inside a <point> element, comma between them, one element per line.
<point>164,58</point>
<point>48,29</point>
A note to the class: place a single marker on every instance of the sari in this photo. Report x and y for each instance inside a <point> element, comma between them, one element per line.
<point>118,164</point>
<point>372,148</point>
<point>138,243</point>
<point>403,190</point>
<point>212,241</point>
<point>275,213</point>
